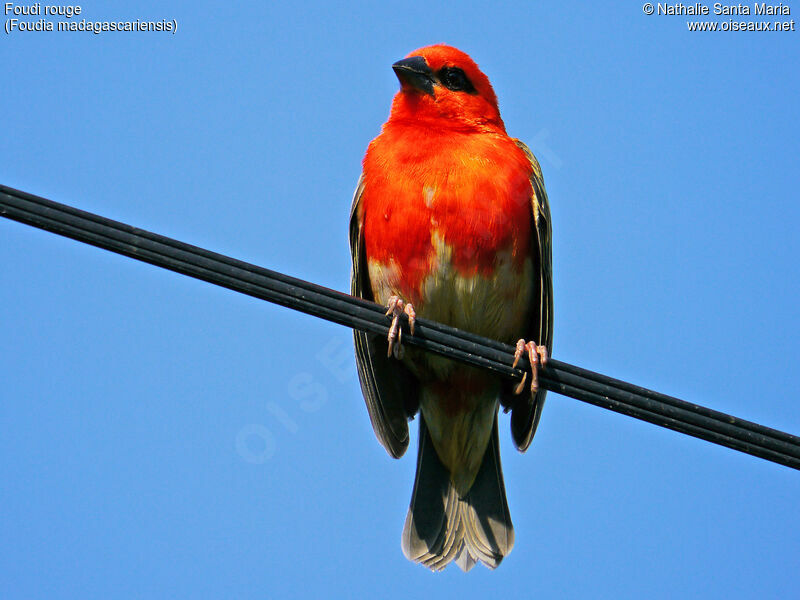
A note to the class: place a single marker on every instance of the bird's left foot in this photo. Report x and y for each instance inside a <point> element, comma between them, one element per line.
<point>398,307</point>
<point>538,356</point>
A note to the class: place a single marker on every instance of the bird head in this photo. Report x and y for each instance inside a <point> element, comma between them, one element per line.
<point>442,86</point>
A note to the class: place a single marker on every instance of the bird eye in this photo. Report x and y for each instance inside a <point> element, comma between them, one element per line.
<point>455,80</point>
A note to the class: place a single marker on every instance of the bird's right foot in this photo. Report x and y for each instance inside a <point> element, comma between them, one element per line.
<point>398,307</point>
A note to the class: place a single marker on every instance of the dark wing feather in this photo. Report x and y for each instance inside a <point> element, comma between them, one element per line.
<point>390,390</point>
<point>527,410</point>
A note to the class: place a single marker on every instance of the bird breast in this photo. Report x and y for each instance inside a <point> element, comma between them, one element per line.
<point>447,226</point>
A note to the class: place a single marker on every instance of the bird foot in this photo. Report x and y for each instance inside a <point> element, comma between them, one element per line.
<point>538,356</point>
<point>398,307</point>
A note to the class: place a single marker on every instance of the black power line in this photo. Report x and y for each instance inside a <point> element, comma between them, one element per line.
<point>316,300</point>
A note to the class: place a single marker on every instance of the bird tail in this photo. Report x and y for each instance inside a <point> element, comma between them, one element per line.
<point>442,526</point>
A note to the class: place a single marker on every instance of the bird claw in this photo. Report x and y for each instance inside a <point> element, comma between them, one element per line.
<point>538,357</point>
<point>396,308</point>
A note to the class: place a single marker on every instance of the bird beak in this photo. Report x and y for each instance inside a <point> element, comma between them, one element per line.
<point>414,72</point>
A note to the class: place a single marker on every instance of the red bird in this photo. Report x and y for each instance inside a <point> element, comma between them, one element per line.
<point>450,221</point>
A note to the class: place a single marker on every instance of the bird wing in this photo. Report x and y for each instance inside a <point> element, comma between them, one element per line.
<point>525,414</point>
<point>389,388</point>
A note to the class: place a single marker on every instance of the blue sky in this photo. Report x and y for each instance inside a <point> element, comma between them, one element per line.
<point>163,438</point>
